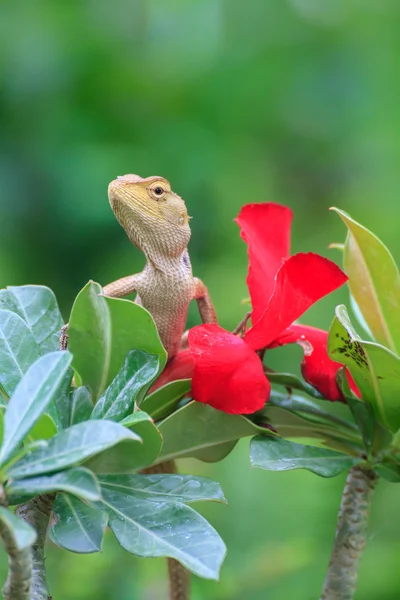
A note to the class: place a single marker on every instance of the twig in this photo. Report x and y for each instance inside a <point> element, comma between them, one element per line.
<point>350,540</point>
<point>37,512</point>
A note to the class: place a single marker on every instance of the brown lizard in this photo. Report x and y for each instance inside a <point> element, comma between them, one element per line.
<point>157,222</point>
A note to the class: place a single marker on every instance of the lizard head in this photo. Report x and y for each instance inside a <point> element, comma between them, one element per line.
<point>153,216</point>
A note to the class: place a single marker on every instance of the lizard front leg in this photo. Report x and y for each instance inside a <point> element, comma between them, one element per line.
<point>205,306</point>
<point>122,287</point>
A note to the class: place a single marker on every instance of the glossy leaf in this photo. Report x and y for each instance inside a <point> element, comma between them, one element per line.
<point>31,398</point>
<point>166,527</point>
<point>165,487</point>
<point>196,427</point>
<point>127,457</point>
<point>375,369</point>
<point>361,411</point>
<point>102,331</point>
<point>389,471</point>
<point>24,535</point>
<point>292,382</point>
<point>72,446</point>
<point>81,406</point>
<point>78,481</point>
<point>18,350</point>
<point>374,282</point>
<point>162,402</point>
<point>289,424</point>
<point>37,306</point>
<point>130,385</point>
<point>281,455</point>
<point>310,410</point>
<point>59,408</point>
<point>77,527</point>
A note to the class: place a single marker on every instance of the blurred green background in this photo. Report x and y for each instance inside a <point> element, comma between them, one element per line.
<point>233,101</point>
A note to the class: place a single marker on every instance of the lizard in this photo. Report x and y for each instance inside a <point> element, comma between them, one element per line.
<point>156,221</point>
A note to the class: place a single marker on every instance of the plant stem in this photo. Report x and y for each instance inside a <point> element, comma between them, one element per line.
<point>17,586</point>
<point>37,512</point>
<point>341,577</point>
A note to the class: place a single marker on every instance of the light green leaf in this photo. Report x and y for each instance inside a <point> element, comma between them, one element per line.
<point>43,429</point>
<point>81,406</point>
<point>374,282</point>
<point>375,369</point>
<point>278,454</point>
<point>165,487</point>
<point>78,527</point>
<point>127,457</point>
<point>37,306</point>
<point>78,481</point>
<point>31,398</point>
<point>149,528</point>
<point>162,402</point>
<point>72,446</point>
<point>101,333</point>
<point>18,350</point>
<point>130,384</point>
<point>23,535</point>
<point>197,427</point>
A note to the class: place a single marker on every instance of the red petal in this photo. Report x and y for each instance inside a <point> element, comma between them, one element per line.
<point>317,368</point>
<point>179,367</point>
<point>228,374</point>
<point>302,280</point>
<point>266,230</point>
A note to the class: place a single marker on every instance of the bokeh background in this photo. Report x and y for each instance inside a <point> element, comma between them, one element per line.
<point>233,101</point>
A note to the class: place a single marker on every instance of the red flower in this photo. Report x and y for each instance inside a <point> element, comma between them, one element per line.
<point>317,368</point>
<point>228,374</point>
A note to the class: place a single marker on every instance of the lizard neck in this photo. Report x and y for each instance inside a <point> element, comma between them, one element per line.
<point>169,265</point>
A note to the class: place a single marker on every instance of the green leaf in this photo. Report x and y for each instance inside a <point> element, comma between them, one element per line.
<point>196,427</point>
<point>18,350</point>
<point>78,527</point>
<point>43,429</point>
<point>37,306</point>
<point>24,536</point>
<point>278,454</point>
<point>297,425</point>
<point>374,282</point>
<point>361,411</point>
<point>81,406</point>
<point>375,369</point>
<point>148,527</point>
<point>125,457</point>
<point>162,402</point>
<point>78,481</point>
<point>291,381</point>
<point>72,446</point>
<point>31,398</point>
<point>130,385</point>
<point>165,487</point>
<point>389,471</point>
<point>309,410</point>
<point>59,408</point>
<point>102,331</point>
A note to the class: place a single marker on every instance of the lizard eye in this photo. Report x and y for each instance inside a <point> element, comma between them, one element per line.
<point>158,191</point>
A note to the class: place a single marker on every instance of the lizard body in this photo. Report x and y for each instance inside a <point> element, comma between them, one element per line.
<point>156,221</point>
